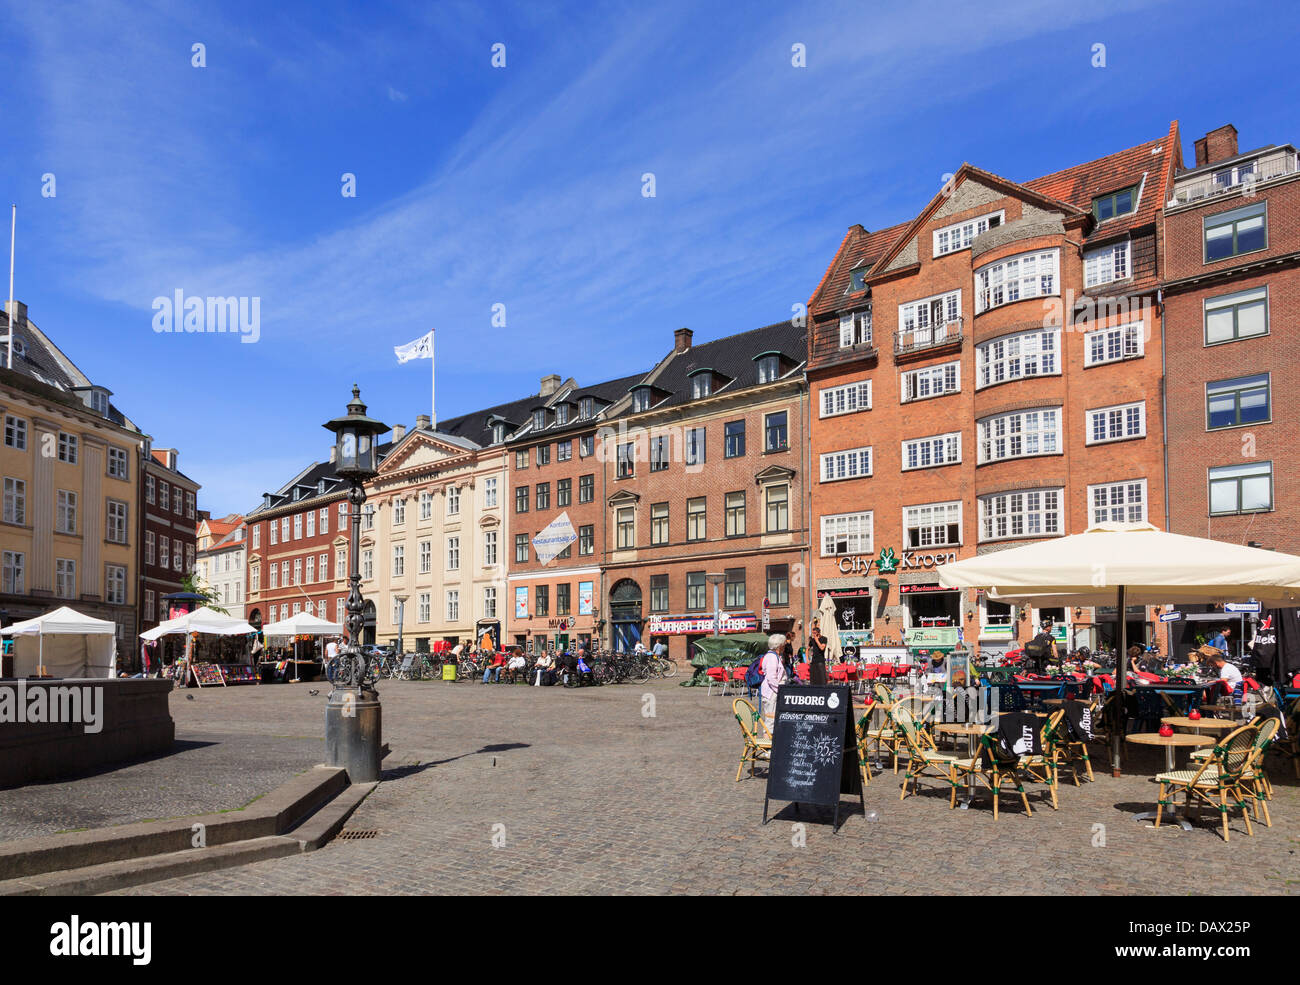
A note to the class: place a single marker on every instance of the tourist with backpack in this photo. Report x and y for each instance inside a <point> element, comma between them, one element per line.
<point>773,671</point>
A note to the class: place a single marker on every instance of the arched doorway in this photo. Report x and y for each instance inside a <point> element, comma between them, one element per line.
<point>625,615</point>
<point>368,624</point>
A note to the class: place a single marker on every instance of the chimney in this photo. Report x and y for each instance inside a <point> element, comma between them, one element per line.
<point>550,384</point>
<point>422,422</point>
<point>1217,145</point>
<point>682,339</point>
<point>169,457</point>
<point>19,314</point>
<point>334,453</point>
<point>399,432</point>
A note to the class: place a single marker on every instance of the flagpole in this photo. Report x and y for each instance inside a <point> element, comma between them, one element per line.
<point>9,312</point>
<point>433,405</point>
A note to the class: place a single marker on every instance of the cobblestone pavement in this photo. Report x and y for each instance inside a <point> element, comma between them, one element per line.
<point>524,790</point>
<point>220,762</point>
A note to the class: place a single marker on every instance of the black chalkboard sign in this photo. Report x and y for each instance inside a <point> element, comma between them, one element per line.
<point>814,748</point>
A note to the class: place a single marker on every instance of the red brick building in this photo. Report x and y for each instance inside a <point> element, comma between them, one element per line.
<point>168,544</point>
<point>1232,286</point>
<point>984,375</point>
<point>555,470</point>
<point>704,475</point>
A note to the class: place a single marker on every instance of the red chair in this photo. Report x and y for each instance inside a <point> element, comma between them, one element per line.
<point>720,676</point>
<point>803,672</point>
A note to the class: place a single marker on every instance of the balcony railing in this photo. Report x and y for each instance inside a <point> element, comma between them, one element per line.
<point>917,339</point>
<point>1236,177</point>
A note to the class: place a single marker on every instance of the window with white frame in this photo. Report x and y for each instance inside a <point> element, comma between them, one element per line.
<point>932,381</point>
<point>116,463</point>
<point>426,505</point>
<point>65,520</point>
<point>311,523</point>
<point>1116,423</point>
<point>311,570</point>
<point>297,571</point>
<point>274,571</point>
<point>453,553</point>
<point>284,574</point>
<point>453,501</point>
<point>165,496</point>
<point>852,463</point>
<point>189,506</point>
<point>847,533</point>
<point>426,556</point>
<point>324,520</point>
<point>925,321</point>
<point>489,548</point>
<point>933,451</point>
<point>453,605</point>
<point>297,526</point>
<point>320,606</point>
<point>255,578</point>
<point>150,547</point>
<point>1106,264</point>
<point>1114,343</point>
<point>340,563</point>
<point>343,517</point>
<point>489,603</point>
<point>13,573</point>
<point>368,517</point>
<point>368,564</point>
<point>324,570</point>
<point>1236,316</point>
<point>1118,502</point>
<point>932,525</point>
<point>65,578</point>
<point>148,489</point>
<point>338,610</point>
<point>399,560</point>
<point>115,584</point>
<point>274,527</point>
<point>68,450</point>
<point>847,399</point>
<point>115,527</point>
<point>1014,357</point>
<point>257,536</point>
<point>284,528</point>
<point>16,435</point>
<point>1026,513</point>
<point>489,493</point>
<point>958,236</point>
<point>1019,434</point>
<point>422,607</point>
<point>399,511</point>
<point>855,328</point>
<point>1027,275</point>
<point>15,501</point>
<point>149,604</point>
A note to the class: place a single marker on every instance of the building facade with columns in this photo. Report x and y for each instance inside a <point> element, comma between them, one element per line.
<point>70,466</point>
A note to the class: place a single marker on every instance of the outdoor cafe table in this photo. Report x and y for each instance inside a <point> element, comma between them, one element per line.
<point>969,730</point>
<point>1213,724</point>
<point>1170,742</point>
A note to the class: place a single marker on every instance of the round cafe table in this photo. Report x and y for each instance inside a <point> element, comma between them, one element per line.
<point>970,730</point>
<point>1170,742</point>
<point>1212,725</point>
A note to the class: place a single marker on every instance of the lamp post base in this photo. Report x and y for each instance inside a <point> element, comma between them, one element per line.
<point>354,733</point>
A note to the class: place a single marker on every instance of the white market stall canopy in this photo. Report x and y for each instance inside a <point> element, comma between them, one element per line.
<point>302,624</point>
<point>1152,566</point>
<point>66,643</point>
<point>204,620</point>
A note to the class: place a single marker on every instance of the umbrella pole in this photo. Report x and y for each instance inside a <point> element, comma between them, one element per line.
<point>1121,682</point>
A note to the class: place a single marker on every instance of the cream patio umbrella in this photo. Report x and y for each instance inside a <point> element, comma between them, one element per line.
<point>828,622</point>
<point>1129,563</point>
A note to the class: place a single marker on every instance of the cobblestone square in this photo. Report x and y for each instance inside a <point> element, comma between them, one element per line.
<point>630,789</point>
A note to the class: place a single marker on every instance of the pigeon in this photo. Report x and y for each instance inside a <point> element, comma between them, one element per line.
<point>189,697</point>
<point>313,692</point>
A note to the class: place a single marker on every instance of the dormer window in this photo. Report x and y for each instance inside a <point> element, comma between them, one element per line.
<point>640,399</point>
<point>857,280</point>
<point>701,384</point>
<point>1117,203</point>
<point>769,367</point>
<point>586,407</point>
<point>96,398</point>
<point>561,413</point>
<point>539,418</point>
<point>498,433</point>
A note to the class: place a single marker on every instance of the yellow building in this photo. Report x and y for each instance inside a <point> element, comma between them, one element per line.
<point>70,467</point>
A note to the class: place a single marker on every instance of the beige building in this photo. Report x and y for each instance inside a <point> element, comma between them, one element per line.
<point>433,536</point>
<point>222,561</point>
<point>70,466</point>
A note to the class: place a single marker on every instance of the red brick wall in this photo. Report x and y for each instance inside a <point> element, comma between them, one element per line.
<point>331,589</point>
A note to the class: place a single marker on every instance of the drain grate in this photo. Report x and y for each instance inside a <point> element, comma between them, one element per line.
<point>357,835</point>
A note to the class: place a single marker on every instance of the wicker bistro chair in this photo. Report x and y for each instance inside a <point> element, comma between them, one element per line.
<point>758,746</point>
<point>889,735</point>
<point>1224,774</point>
<point>863,732</point>
<point>1046,768</point>
<point>1073,749</point>
<point>922,757</point>
<point>992,767</point>
<point>1256,778</point>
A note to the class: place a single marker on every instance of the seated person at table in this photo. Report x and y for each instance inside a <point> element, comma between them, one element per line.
<point>583,669</point>
<point>515,665</point>
<point>1230,676</point>
<point>494,668</point>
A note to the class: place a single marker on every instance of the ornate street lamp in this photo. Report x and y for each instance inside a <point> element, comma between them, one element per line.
<point>352,714</point>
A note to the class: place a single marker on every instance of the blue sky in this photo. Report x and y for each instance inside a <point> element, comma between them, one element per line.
<point>522,185</point>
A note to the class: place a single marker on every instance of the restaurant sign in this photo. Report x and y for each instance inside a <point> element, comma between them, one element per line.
<point>732,622</point>
<point>886,563</point>
<point>931,637</point>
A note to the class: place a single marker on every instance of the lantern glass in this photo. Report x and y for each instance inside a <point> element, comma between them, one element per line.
<point>366,454</point>
<point>347,451</point>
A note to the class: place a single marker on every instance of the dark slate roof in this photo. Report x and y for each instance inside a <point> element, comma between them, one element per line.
<point>474,426</point>
<point>42,361</point>
<point>309,480</point>
<point>731,356</point>
<point>609,392</point>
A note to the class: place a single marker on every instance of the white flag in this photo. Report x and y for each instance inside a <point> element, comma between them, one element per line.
<point>558,535</point>
<point>421,348</point>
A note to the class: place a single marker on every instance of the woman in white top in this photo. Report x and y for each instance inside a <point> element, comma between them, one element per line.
<point>773,677</point>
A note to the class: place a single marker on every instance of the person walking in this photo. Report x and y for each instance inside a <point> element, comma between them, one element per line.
<point>773,677</point>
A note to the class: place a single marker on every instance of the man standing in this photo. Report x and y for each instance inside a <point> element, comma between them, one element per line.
<point>1220,640</point>
<point>816,654</point>
<point>332,659</point>
<point>773,677</point>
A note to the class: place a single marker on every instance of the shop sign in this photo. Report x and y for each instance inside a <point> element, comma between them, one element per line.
<point>886,563</point>
<point>521,602</point>
<point>584,598</point>
<point>923,589</point>
<point>683,625</point>
<point>930,637</point>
